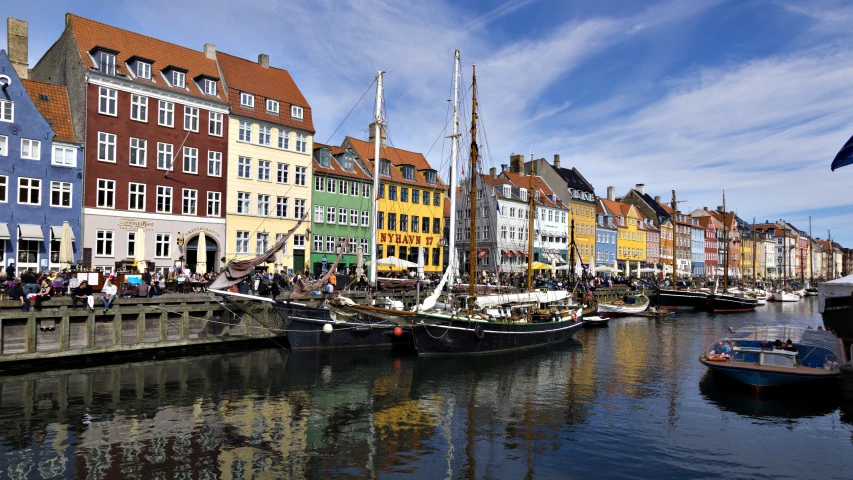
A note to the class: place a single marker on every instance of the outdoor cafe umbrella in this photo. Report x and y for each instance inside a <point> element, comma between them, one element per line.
<point>627,268</point>
<point>420,263</point>
<point>393,262</point>
<point>535,266</point>
<point>359,263</point>
<point>553,266</point>
<point>66,250</point>
<point>139,250</point>
<point>201,255</point>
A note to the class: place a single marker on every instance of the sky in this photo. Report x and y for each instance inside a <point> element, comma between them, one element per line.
<point>699,96</point>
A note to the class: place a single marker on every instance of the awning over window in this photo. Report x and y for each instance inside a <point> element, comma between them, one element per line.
<point>4,232</point>
<point>30,232</point>
<point>56,233</point>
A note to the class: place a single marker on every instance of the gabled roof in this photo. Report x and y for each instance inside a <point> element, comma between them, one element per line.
<point>52,102</point>
<point>496,182</point>
<point>574,179</point>
<point>335,166</point>
<point>397,157</point>
<point>658,208</point>
<point>265,83</point>
<point>90,34</point>
<point>523,181</point>
<point>619,210</point>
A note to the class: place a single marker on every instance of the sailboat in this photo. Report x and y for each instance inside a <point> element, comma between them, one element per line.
<point>726,302</point>
<point>811,288</point>
<point>781,295</point>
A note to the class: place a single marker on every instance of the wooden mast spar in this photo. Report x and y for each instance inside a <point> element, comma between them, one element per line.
<point>674,255</point>
<point>531,199</point>
<point>472,255</point>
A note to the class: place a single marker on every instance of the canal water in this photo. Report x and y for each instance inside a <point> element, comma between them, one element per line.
<point>629,401</point>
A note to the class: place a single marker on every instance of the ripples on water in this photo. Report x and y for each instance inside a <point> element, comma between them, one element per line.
<point>628,401</point>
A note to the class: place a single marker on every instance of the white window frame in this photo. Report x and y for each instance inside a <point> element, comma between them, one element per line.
<point>331,215</point>
<point>143,70</point>
<point>166,114</point>
<point>109,188</point>
<point>214,163</point>
<point>264,170</point>
<point>272,106</point>
<point>139,108</point>
<point>301,176</point>
<point>190,160</point>
<point>281,206</point>
<point>264,135</point>
<point>189,195</point>
<point>247,100</point>
<point>64,188</point>
<point>108,238</point>
<point>301,143</point>
<point>163,245</point>
<point>262,242</point>
<point>319,214</point>
<point>108,101</point>
<point>299,212</point>
<point>141,148</point>
<point>66,153</point>
<point>137,190</point>
<point>165,150</point>
<point>244,167</point>
<point>108,140</point>
<point>244,131</point>
<point>214,124</point>
<point>31,146</point>
<point>165,194</point>
<point>365,218</point>
<point>282,174</point>
<point>190,119</point>
<point>244,203</point>
<point>284,139</point>
<point>4,184</point>
<point>209,87</point>
<point>7,111</point>
<point>353,217</point>
<point>296,113</point>
<point>214,204</point>
<point>242,245</point>
<point>179,79</point>
<point>263,205</point>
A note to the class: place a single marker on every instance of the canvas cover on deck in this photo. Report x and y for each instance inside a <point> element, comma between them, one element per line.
<point>527,297</point>
<point>840,287</point>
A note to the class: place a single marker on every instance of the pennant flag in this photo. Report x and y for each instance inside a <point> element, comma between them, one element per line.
<point>845,155</point>
<point>497,206</point>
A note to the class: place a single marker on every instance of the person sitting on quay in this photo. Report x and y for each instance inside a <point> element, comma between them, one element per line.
<point>43,295</point>
<point>17,292</point>
<point>30,282</point>
<point>109,294</point>
<point>83,293</point>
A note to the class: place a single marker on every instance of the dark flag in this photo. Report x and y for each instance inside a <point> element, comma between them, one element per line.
<point>845,155</point>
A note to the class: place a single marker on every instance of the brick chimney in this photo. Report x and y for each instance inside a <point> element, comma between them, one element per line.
<point>371,132</point>
<point>493,172</point>
<point>658,199</point>
<point>705,208</point>
<point>210,51</point>
<point>611,193</point>
<point>641,187</point>
<point>264,60</point>
<point>17,40</point>
<point>556,161</point>
<point>516,163</point>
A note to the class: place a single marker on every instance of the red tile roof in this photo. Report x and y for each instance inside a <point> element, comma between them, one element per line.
<point>54,108</point>
<point>523,181</point>
<point>397,157</point>
<point>336,169</point>
<point>274,83</point>
<point>90,34</point>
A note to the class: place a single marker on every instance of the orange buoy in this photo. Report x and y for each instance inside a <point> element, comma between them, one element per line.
<point>398,331</point>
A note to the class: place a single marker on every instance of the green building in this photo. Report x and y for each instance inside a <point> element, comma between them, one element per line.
<point>343,209</point>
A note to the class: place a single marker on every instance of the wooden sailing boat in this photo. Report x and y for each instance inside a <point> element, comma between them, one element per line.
<point>726,302</point>
<point>811,289</point>
<point>674,298</point>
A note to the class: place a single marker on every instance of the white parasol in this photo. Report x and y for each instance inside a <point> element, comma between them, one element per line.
<point>139,250</point>
<point>359,263</point>
<point>66,249</point>
<point>393,262</point>
<point>201,255</point>
<point>421,263</point>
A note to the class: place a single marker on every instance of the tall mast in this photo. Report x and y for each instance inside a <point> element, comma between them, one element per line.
<point>811,254</point>
<point>784,254</point>
<point>454,157</point>
<point>376,161</point>
<point>531,199</point>
<point>472,255</point>
<point>754,254</point>
<point>831,253</point>
<point>674,255</point>
<point>725,246</point>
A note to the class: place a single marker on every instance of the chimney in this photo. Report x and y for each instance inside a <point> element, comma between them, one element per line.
<point>503,167</point>
<point>705,208</point>
<point>210,51</point>
<point>516,163</point>
<point>720,209</point>
<point>383,135</point>
<point>264,60</point>
<point>641,187</point>
<point>658,199</point>
<point>556,161</point>
<point>611,194</point>
<point>17,40</point>
<point>493,172</point>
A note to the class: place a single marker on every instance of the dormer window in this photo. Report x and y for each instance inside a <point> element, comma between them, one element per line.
<point>272,106</point>
<point>536,195</point>
<point>209,87</point>
<point>408,172</point>
<point>507,191</point>
<point>107,63</point>
<point>247,100</point>
<point>348,162</point>
<point>296,112</point>
<point>143,70</point>
<point>179,79</point>
<point>522,194</point>
<point>384,167</point>
<point>431,177</point>
<point>325,158</point>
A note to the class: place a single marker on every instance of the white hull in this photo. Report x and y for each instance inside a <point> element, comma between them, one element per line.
<point>621,309</point>
<point>784,297</point>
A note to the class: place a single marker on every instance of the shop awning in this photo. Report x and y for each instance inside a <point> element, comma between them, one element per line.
<point>4,232</point>
<point>30,232</point>
<point>56,233</point>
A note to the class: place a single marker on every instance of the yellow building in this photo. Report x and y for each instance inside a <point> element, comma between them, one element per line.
<point>631,237</point>
<point>411,209</point>
<point>269,165</point>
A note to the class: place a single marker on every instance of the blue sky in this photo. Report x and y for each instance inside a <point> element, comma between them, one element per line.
<point>753,97</point>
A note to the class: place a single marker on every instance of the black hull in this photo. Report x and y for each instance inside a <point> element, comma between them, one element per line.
<point>723,303</point>
<point>679,300</point>
<point>459,337</point>
<point>838,316</point>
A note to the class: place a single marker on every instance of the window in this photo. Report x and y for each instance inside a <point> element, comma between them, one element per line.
<point>108,101</point>
<point>342,216</point>
<point>191,160</point>
<point>319,184</point>
<point>131,244</point>
<point>214,164</point>
<point>409,172</point>
<point>353,244</point>
<point>139,108</point>
<point>330,217</point>
<point>296,112</point>
<point>163,245</point>
<point>264,170</point>
<point>404,223</point>
<point>244,131</point>
<point>4,143</point>
<point>179,79</point>
<point>487,233</point>
<point>210,86</point>
<point>263,205</point>
<point>353,189</point>
<point>426,197</point>
<point>191,119</point>
<point>244,167</point>
<point>503,232</point>
<point>392,221</point>
<point>436,199</point>
<point>416,223</point>
<point>281,207</point>
<point>391,250</point>
<point>416,196</point>
<point>143,70</point>
<point>436,256</point>
<point>190,201</point>
<point>247,100</point>
<point>404,194</point>
<point>331,185</point>
<point>136,196</point>
<point>164,199</point>
<point>364,246</point>
<point>430,177</point>
<point>318,243</point>
<point>106,193</point>
<point>31,149</point>
<point>243,202</point>
<point>166,114</point>
<point>165,156</point>
<point>272,106</point>
<point>365,218</point>
<point>353,217</point>
<point>365,190</point>
<point>60,194</point>
<point>214,204</point>
<point>264,135</point>
<point>301,143</point>
<point>4,186</point>
<point>282,173</point>
<point>392,192</point>
<point>319,214</point>
<point>425,225</point>
<point>104,243</point>
<point>242,241</point>
<point>330,244</point>
<point>384,167</point>
<point>298,210</point>
<point>344,187</point>
<point>214,124</point>
<point>380,220</point>
<point>7,111</point>
<point>284,139</point>
<point>300,176</point>
<point>138,151</point>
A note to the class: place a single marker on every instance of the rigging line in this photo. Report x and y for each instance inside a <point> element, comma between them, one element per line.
<point>418,62</point>
<point>351,110</point>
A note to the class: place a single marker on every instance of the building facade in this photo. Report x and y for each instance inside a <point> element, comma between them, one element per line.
<point>697,248</point>
<point>630,236</point>
<point>652,242</point>
<point>269,171</point>
<point>155,117</point>
<point>40,170</point>
<point>605,236</point>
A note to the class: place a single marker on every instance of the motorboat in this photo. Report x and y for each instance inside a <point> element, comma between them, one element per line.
<point>783,296</point>
<point>630,304</point>
<point>759,356</point>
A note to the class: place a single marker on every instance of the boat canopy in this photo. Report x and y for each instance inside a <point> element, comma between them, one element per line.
<point>550,296</point>
<point>840,287</point>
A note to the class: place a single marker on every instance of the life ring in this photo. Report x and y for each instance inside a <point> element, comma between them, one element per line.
<point>479,332</point>
<point>718,358</point>
<point>574,316</point>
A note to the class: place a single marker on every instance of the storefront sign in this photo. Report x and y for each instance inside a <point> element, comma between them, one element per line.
<point>402,239</point>
<point>131,224</point>
<point>207,231</point>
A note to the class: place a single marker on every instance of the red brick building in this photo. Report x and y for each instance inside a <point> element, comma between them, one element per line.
<point>155,119</point>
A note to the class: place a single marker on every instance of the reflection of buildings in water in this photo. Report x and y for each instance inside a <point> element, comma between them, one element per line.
<point>631,357</point>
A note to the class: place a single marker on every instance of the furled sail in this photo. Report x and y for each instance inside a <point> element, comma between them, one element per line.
<point>302,288</point>
<point>237,270</point>
<point>430,301</point>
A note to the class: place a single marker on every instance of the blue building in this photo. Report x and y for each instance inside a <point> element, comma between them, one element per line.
<point>40,171</point>
<point>605,236</point>
<point>697,248</point>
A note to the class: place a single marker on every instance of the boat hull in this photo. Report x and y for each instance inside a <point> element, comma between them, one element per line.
<point>838,315</point>
<point>760,378</point>
<point>610,311</point>
<point>681,300</point>
<point>457,337</point>
<point>722,303</point>
<point>306,332</point>
<point>784,297</point>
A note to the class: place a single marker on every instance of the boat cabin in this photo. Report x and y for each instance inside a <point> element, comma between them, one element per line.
<point>760,356</point>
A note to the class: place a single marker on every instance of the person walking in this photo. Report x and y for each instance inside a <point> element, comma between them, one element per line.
<point>109,294</point>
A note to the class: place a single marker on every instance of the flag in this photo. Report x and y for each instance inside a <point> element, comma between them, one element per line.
<point>844,156</point>
<point>497,207</point>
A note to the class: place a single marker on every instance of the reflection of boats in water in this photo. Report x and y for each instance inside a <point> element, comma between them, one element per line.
<point>314,328</point>
<point>756,356</point>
